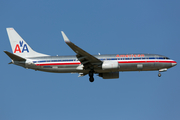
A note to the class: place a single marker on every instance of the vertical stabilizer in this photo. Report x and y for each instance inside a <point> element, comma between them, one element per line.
<point>19,46</point>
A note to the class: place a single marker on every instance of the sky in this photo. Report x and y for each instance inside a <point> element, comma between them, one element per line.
<point>97,26</point>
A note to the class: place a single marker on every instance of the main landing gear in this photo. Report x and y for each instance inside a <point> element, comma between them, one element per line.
<point>91,78</point>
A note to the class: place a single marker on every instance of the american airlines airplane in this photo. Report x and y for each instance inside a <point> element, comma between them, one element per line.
<point>106,66</point>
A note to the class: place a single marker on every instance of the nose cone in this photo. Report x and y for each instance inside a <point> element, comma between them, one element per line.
<point>174,63</point>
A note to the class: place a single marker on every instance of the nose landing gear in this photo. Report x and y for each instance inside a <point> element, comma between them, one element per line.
<point>91,78</point>
<point>161,70</point>
<point>159,74</point>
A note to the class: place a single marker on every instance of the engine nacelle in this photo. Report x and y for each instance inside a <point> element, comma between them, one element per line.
<point>110,75</point>
<point>110,65</point>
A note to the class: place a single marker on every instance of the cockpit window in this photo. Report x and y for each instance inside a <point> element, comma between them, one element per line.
<point>166,58</point>
<point>162,58</point>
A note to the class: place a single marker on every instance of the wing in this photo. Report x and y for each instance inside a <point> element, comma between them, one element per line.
<point>88,60</point>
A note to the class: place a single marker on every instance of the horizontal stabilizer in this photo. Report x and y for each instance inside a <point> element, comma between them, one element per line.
<point>14,57</point>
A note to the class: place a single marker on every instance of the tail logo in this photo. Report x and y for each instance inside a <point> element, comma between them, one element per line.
<point>21,47</point>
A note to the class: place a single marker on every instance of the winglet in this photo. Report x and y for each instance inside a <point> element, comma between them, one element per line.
<point>65,37</point>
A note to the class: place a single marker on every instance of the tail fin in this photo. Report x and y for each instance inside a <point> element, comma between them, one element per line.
<point>20,47</point>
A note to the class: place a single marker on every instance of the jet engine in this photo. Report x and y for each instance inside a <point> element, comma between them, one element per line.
<point>110,65</point>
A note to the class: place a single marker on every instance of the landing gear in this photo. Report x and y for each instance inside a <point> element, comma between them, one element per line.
<point>159,74</point>
<point>91,78</point>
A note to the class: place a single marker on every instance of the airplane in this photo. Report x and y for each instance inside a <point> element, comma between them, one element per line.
<point>106,66</point>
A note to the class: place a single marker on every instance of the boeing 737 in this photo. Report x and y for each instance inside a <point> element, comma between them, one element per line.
<point>106,66</point>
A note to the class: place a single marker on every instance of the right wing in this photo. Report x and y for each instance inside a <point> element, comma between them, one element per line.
<point>88,60</point>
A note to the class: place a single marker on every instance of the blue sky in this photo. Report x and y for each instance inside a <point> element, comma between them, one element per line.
<point>106,27</point>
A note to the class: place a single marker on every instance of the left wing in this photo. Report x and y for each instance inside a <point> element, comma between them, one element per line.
<point>88,60</point>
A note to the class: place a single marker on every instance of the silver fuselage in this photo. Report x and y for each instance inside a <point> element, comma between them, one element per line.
<point>106,66</point>
<point>70,64</point>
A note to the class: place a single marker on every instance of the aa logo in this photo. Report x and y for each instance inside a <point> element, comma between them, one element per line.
<point>21,47</point>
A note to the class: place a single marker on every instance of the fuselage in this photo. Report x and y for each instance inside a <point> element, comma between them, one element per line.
<point>106,66</point>
<point>126,62</point>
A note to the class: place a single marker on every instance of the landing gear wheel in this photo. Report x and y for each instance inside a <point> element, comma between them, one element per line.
<point>159,75</point>
<point>91,79</point>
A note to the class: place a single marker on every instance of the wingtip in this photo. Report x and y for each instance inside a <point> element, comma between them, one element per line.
<point>65,37</point>
<point>9,28</point>
<point>5,51</point>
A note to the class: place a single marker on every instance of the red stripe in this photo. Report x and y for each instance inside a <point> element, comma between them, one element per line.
<point>77,63</point>
<point>146,61</point>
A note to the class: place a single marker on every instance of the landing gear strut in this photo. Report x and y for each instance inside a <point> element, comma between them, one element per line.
<point>159,74</point>
<point>91,78</point>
